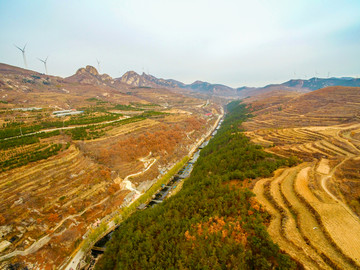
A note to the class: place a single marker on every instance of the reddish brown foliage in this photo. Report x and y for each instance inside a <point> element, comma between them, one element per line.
<point>159,142</point>
<point>53,217</point>
<point>228,228</point>
<point>72,210</point>
<point>194,123</point>
<point>113,188</point>
<point>105,173</point>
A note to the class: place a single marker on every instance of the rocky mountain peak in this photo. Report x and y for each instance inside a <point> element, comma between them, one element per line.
<point>92,70</point>
<point>80,71</point>
<point>105,77</point>
<point>87,69</point>
<point>131,78</point>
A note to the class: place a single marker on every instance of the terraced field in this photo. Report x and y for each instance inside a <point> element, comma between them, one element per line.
<point>50,201</point>
<point>311,217</point>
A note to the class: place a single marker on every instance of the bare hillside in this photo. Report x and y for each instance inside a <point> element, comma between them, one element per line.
<point>315,205</point>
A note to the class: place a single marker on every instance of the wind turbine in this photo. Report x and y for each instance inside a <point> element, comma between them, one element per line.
<point>23,53</point>
<point>98,62</point>
<point>44,61</point>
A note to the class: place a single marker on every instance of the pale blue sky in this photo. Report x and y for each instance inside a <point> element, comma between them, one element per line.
<point>236,43</point>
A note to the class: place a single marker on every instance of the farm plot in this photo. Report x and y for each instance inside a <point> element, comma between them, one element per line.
<point>309,222</point>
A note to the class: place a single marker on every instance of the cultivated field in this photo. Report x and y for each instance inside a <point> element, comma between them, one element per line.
<point>315,206</point>
<point>311,218</point>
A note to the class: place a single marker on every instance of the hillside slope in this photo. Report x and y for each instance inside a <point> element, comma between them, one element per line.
<point>315,206</point>
<point>327,106</point>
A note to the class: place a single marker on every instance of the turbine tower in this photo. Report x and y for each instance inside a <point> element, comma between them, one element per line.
<point>44,61</point>
<point>23,53</point>
<point>98,63</point>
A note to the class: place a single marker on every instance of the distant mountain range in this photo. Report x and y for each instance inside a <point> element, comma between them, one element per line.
<point>145,80</point>
<point>90,76</point>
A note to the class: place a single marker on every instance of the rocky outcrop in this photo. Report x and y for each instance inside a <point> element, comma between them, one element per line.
<point>89,75</point>
<point>131,78</point>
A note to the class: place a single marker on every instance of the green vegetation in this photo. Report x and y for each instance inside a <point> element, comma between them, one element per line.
<point>98,101</point>
<point>44,135</point>
<point>126,108</point>
<point>81,120</point>
<point>210,224</point>
<point>93,109</point>
<point>91,132</point>
<point>28,81</point>
<point>147,195</point>
<point>85,133</point>
<point>135,106</point>
<point>92,99</point>
<point>15,130</point>
<point>94,235</point>
<point>153,113</point>
<point>26,140</point>
<point>36,154</point>
<point>18,131</point>
<point>144,105</point>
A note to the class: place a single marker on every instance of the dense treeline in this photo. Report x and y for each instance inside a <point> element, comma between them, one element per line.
<point>212,223</point>
<point>26,140</point>
<point>126,108</point>
<point>152,113</point>
<point>36,154</point>
<point>18,131</point>
<point>78,120</point>
<point>96,131</point>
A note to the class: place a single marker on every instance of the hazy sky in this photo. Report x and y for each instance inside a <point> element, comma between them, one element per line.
<point>233,42</point>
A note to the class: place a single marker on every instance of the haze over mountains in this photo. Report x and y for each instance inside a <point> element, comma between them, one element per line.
<point>147,80</point>
<point>89,75</point>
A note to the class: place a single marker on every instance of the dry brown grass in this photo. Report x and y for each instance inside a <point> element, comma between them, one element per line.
<point>305,218</point>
